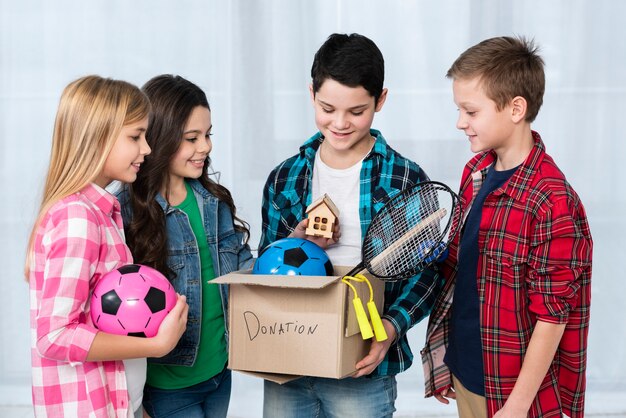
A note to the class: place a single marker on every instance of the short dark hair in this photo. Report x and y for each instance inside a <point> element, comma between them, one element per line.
<point>352,60</point>
<point>507,67</point>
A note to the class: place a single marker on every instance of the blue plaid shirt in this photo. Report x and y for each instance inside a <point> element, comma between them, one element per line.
<point>384,173</point>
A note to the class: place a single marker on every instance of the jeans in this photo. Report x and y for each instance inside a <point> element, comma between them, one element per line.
<point>314,397</point>
<point>208,399</point>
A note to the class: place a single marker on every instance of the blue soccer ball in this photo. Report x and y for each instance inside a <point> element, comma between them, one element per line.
<point>293,257</point>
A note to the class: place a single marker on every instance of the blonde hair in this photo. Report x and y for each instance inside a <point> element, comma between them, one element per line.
<point>507,67</point>
<point>92,112</point>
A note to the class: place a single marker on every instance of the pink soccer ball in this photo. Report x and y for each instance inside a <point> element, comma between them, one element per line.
<point>132,300</point>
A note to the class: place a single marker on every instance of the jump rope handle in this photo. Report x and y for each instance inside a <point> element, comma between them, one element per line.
<point>364,325</point>
<point>377,324</point>
<point>376,328</point>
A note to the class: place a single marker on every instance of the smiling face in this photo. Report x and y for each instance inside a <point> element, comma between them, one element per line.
<point>189,160</point>
<point>126,156</point>
<point>485,126</point>
<point>344,116</point>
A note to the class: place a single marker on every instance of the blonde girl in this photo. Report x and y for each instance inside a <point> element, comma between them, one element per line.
<point>99,137</point>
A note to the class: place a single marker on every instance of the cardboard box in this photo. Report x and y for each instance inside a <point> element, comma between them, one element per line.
<point>296,325</point>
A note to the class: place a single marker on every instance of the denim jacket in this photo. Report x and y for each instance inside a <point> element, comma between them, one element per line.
<point>228,251</point>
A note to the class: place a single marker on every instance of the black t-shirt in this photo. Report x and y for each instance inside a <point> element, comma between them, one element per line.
<point>464,352</point>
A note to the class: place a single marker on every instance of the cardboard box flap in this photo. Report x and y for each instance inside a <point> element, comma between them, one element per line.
<point>281,379</point>
<point>294,282</point>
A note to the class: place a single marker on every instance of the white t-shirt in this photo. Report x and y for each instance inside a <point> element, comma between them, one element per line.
<point>135,370</point>
<point>342,186</point>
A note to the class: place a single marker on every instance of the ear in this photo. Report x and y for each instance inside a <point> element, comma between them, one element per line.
<point>312,93</point>
<point>518,109</point>
<point>381,100</point>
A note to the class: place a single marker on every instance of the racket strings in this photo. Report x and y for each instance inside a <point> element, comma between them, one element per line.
<point>407,230</point>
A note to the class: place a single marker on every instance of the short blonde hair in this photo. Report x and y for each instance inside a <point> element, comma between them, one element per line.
<point>91,114</point>
<point>506,67</point>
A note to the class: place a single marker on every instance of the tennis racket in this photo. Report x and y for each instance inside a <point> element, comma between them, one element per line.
<point>410,232</point>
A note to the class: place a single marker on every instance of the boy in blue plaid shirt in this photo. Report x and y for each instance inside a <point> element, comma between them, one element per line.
<point>353,164</point>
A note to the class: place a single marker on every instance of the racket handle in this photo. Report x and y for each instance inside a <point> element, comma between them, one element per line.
<point>377,323</point>
<point>364,324</point>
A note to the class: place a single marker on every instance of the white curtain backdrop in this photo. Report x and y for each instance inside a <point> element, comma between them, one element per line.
<point>253,59</point>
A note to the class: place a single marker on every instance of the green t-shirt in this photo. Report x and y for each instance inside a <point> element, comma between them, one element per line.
<point>212,354</point>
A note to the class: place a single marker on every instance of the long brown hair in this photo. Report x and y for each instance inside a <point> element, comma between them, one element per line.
<point>173,99</point>
<point>91,114</point>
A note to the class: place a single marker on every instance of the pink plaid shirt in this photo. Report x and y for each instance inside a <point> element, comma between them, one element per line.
<point>79,239</point>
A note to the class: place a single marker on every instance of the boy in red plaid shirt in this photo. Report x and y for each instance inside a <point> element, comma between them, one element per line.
<point>507,336</point>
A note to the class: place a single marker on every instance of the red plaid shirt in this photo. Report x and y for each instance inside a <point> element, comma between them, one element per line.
<point>534,264</point>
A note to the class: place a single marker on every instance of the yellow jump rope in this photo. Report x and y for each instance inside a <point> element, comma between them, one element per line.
<point>376,327</point>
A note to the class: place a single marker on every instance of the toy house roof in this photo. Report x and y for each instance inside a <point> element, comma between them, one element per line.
<point>327,201</point>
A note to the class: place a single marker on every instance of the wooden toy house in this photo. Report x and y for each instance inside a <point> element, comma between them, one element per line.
<point>322,216</point>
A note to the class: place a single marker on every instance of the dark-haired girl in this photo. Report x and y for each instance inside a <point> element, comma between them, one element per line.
<point>183,223</point>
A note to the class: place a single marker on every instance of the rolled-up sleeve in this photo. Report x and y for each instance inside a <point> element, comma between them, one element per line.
<point>560,253</point>
<point>71,246</point>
